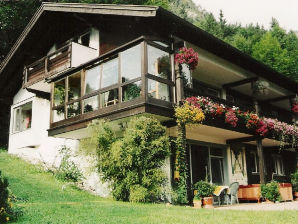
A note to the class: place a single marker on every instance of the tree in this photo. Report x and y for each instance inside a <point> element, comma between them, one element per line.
<point>269,51</point>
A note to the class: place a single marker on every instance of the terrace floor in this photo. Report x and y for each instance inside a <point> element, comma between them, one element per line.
<point>264,206</point>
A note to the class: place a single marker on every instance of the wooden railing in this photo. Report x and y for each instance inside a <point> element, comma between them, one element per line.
<point>48,65</point>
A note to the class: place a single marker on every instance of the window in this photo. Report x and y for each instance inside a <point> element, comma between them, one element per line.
<point>109,73</point>
<point>278,165</point>
<point>92,79</point>
<point>158,90</point>
<point>131,63</point>
<point>253,162</point>
<point>207,163</point>
<point>22,117</point>
<point>74,86</point>
<point>131,91</point>
<point>187,76</point>
<point>59,92</point>
<point>158,63</point>
<point>90,104</point>
<point>109,98</point>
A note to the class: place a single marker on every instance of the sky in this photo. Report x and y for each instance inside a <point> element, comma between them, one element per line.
<point>255,11</point>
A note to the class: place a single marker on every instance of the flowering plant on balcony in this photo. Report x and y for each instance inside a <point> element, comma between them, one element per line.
<point>187,56</point>
<point>295,107</point>
<point>261,126</point>
<point>188,113</point>
<point>231,118</point>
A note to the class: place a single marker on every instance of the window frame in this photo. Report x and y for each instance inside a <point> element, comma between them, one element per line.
<point>14,118</point>
<point>278,168</point>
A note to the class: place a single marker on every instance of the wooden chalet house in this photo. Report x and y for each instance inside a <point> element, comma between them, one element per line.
<point>77,62</point>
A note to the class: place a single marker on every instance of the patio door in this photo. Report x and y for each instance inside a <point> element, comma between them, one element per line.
<point>207,162</point>
<point>217,171</point>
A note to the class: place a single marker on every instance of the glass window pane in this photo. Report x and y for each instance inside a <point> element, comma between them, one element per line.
<point>187,76</point>
<point>109,98</point>
<point>59,92</point>
<point>131,91</point>
<point>217,171</point>
<point>158,63</point>
<point>90,104</point>
<point>109,73</point>
<point>92,79</point>
<point>23,117</point>
<point>74,86</point>
<point>158,90</point>
<point>131,63</point>
<point>59,114</point>
<point>73,109</point>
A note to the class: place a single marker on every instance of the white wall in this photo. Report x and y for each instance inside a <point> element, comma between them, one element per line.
<point>35,146</point>
<point>81,54</point>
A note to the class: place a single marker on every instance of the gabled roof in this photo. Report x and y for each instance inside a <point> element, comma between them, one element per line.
<point>167,21</point>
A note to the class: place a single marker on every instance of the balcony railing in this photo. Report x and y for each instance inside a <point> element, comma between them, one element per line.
<point>48,65</point>
<point>70,55</point>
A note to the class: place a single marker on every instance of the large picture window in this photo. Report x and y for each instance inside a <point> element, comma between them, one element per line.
<point>118,77</point>
<point>22,117</point>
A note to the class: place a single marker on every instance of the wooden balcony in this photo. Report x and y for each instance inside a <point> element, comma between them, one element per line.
<point>70,55</point>
<point>48,65</point>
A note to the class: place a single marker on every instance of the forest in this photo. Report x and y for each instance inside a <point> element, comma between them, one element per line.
<point>274,47</point>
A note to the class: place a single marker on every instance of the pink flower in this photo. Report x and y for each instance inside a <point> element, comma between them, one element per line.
<point>187,56</point>
<point>295,108</point>
<point>231,118</point>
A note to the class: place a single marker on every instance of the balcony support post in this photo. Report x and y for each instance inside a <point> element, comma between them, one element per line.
<point>260,148</point>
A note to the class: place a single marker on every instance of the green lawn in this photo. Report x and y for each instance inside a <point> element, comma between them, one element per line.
<point>46,202</point>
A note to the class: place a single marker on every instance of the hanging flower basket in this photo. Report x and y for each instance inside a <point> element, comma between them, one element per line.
<point>261,87</point>
<point>187,56</point>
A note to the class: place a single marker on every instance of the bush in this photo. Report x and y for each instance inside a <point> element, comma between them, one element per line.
<point>6,211</point>
<point>270,191</point>
<point>68,170</point>
<point>294,181</point>
<point>204,189</point>
<point>132,162</point>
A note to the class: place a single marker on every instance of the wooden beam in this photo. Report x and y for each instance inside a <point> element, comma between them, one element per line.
<point>238,83</point>
<point>278,147</point>
<point>279,98</point>
<point>244,139</point>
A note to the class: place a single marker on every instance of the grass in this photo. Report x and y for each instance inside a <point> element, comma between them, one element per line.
<point>44,201</point>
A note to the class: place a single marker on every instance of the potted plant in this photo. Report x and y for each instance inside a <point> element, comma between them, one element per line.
<point>270,191</point>
<point>294,181</point>
<point>204,192</point>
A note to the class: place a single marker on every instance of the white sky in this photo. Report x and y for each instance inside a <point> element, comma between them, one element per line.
<point>255,11</point>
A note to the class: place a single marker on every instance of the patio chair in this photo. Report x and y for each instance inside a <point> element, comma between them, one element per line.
<point>233,192</point>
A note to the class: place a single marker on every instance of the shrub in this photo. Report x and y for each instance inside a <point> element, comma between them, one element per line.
<point>132,163</point>
<point>204,189</point>
<point>4,205</point>
<point>138,193</point>
<point>294,181</point>
<point>68,170</point>
<point>270,191</point>
<point>6,211</point>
